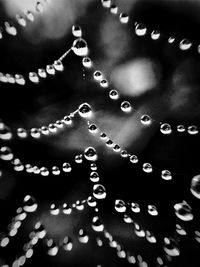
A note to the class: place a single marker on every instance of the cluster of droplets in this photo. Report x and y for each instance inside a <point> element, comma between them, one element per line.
<point>22,20</point>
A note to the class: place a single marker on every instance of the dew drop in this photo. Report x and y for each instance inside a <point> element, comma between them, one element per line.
<point>150,237</point>
<point>181,128</point>
<point>52,248</point>
<point>6,153</point>
<point>44,130</point>
<point>120,205</point>
<point>10,29</point>
<point>113,9</point>
<point>30,204</point>
<point>93,166</point>
<point>197,236</point>
<point>183,211</point>
<point>133,159</point>
<point>42,73</point>
<point>50,69</point>
<point>152,210</point>
<point>5,133</point>
<point>171,247</point>
<point>106,3</point>
<point>104,83</point>
<point>52,128</point>
<point>79,158</point>
<point>139,231</point>
<point>39,7</point>
<point>195,186</point>
<point>113,94</point>
<point>66,167</point>
<point>76,31</point>
<point>83,236</point>
<point>90,154</point>
<point>55,170</point>
<point>147,167</point>
<point>127,219</point>
<point>80,47</point>
<point>165,128</point>
<point>185,44</point>
<point>19,79</point>
<point>66,209</point>
<point>85,110</point>
<point>91,201</point>
<point>116,148</point>
<point>126,106</point>
<point>35,133</point>
<point>155,35</point>
<point>98,76</point>
<point>94,177</point>
<point>99,191</point>
<point>40,230</point>
<point>140,29</point>
<point>135,207</point>
<point>146,120</point>
<point>123,18</point>
<point>21,20</point>
<point>193,130</point>
<point>44,171</point>
<point>97,225</point>
<point>67,244</point>
<point>171,40</point>
<point>54,209</point>
<point>166,175</point>
<point>33,77</point>
<point>87,63</point>
<point>180,230</point>
<point>58,65</point>
<point>92,128</point>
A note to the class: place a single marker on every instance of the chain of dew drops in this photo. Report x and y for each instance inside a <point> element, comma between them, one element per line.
<point>179,208</point>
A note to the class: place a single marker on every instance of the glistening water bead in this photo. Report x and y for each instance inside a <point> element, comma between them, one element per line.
<point>195,186</point>
<point>126,107</point>
<point>165,128</point>
<point>140,29</point>
<point>85,110</point>
<point>183,211</point>
<point>185,44</point>
<point>90,154</point>
<point>146,120</point>
<point>99,191</point>
<point>80,47</point>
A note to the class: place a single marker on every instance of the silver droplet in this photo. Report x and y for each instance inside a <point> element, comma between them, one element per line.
<point>185,44</point>
<point>183,211</point>
<point>166,175</point>
<point>120,205</point>
<point>147,167</point>
<point>99,191</point>
<point>126,106</point>
<point>155,35</point>
<point>80,47</point>
<point>165,128</point>
<point>123,18</point>
<point>146,120</point>
<point>90,154</point>
<point>76,31</point>
<point>85,110</point>
<point>87,63</point>
<point>140,29</point>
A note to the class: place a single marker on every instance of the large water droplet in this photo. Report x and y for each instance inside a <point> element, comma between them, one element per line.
<point>80,47</point>
<point>147,167</point>
<point>97,225</point>
<point>90,154</point>
<point>183,211</point>
<point>99,191</point>
<point>171,247</point>
<point>30,204</point>
<point>85,110</point>
<point>120,205</point>
<point>195,186</point>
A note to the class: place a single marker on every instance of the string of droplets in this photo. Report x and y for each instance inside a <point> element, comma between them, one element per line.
<point>141,31</point>
<point>22,20</point>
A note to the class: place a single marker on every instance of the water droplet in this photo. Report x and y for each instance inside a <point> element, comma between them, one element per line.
<point>90,154</point>
<point>104,83</point>
<point>116,148</point>
<point>50,69</point>
<point>126,106</point>
<point>42,73</point>
<point>44,130</point>
<point>133,159</point>
<point>93,166</point>
<point>10,78</point>
<point>103,136</point>
<point>54,209</point>
<point>147,167</point>
<point>85,110</point>
<point>150,237</point>
<point>66,209</point>
<point>197,236</point>
<point>67,244</point>
<point>66,167</point>
<point>76,31</point>
<point>146,120</point>
<point>180,230</point>
<point>52,128</point>
<point>10,29</point>
<point>183,211</point>
<point>21,20</point>
<point>58,65</point>
<point>5,133</point>
<point>127,219</point>
<point>52,248</point>
<point>55,170</point>
<point>195,186</point>
<point>106,3</point>
<point>135,207</point>
<point>6,153</point>
<point>40,230</point>
<point>79,205</point>
<point>140,29</point>
<point>80,47</point>
<point>131,259</point>
<point>152,210</point>
<point>39,7</point>
<point>185,44</point>
<point>44,171</point>
<point>171,247</point>
<point>59,124</point>
<point>181,128</point>
<point>4,240</point>
<point>33,77</point>
<point>139,230</point>
<point>92,128</point>
<point>123,18</point>
<point>19,79</point>
<point>99,191</point>
<point>91,201</point>
<point>113,94</point>
<point>166,175</point>
<point>98,76</point>
<point>155,35</point>
<point>165,128</point>
<point>113,9</point>
<point>83,236</point>
<point>87,63</point>
<point>193,130</point>
<point>30,204</point>
<point>94,177</point>
<point>79,158</point>
<point>97,225</point>
<point>67,120</point>
<point>109,143</point>
<point>120,205</point>
<point>35,133</point>
<point>124,154</point>
<point>171,40</point>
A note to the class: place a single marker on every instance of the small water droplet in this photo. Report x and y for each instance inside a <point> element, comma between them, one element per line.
<point>104,83</point>
<point>147,167</point>
<point>76,31</point>
<point>66,209</point>
<point>166,175</point>
<point>94,177</point>
<point>152,210</point>
<point>55,170</point>
<point>5,133</point>
<point>90,154</point>
<point>40,230</point>
<point>126,106</point>
<point>146,120</point>
<point>171,247</point>
<point>50,69</point>
<point>133,159</point>
<point>123,18</point>
<point>87,63</point>
<point>6,153</point>
<point>135,207</point>
<point>10,29</point>
<point>30,204</point>
<point>150,237</point>
<point>180,230</point>
<point>97,225</point>
<point>39,7</point>
<point>99,191</point>
<point>113,9</point>
<point>171,40</point>
<point>120,205</point>
<point>85,110</point>
<point>113,94</point>
<point>54,209</point>
<point>52,248</point>
<point>92,128</point>
<point>83,236</point>
<point>42,73</point>
<point>124,154</point>
<point>98,76</point>
<point>79,158</point>
<point>181,128</point>
<point>35,133</point>
<point>66,167</point>
<point>91,201</point>
<point>44,171</point>
<point>80,47</point>
<point>183,211</point>
<point>21,20</point>
<point>193,130</point>
<point>44,130</point>
<point>195,186</point>
<point>155,35</point>
<point>116,148</point>
<point>140,29</point>
<point>93,166</point>
<point>165,128</point>
<point>58,65</point>
<point>52,128</point>
<point>185,44</point>
<point>33,77</point>
<point>106,3</point>
<point>19,79</point>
